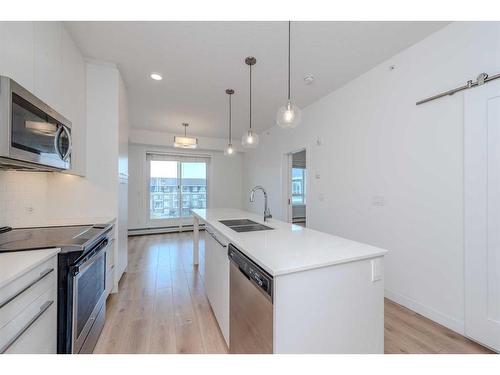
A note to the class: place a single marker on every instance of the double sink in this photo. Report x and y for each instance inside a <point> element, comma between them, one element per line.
<point>244,225</point>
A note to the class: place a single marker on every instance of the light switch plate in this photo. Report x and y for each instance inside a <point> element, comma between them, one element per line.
<point>378,200</point>
<point>377,269</point>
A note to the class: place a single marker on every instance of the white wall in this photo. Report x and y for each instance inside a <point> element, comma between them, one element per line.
<point>390,173</point>
<point>224,179</point>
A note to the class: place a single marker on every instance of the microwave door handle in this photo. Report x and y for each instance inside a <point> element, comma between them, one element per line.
<point>56,141</point>
<point>70,143</point>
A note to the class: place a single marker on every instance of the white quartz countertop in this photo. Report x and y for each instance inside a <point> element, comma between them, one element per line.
<point>16,263</point>
<point>288,248</point>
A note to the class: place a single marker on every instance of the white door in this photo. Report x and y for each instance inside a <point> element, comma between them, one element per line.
<point>482,214</point>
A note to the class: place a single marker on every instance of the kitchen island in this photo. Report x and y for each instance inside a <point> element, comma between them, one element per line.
<point>328,291</point>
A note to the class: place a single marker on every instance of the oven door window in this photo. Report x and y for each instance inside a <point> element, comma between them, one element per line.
<point>89,288</point>
<point>34,132</point>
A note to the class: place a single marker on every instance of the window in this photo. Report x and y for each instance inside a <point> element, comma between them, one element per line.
<point>298,186</point>
<point>176,187</point>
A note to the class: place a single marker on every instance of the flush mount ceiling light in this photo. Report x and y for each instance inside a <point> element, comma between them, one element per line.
<point>156,76</point>
<point>289,115</point>
<point>185,141</point>
<point>229,151</point>
<point>250,138</point>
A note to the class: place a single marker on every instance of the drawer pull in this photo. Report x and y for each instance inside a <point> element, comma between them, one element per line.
<point>215,238</point>
<point>43,308</point>
<point>11,298</point>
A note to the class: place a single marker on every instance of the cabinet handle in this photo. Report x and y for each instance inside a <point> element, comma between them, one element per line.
<point>11,342</point>
<point>216,239</point>
<point>11,298</point>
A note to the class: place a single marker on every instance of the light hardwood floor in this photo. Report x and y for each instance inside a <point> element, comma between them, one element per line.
<point>162,308</point>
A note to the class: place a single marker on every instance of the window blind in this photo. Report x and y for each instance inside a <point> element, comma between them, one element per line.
<point>194,158</point>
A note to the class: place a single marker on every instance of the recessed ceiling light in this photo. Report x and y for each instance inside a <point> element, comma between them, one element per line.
<point>156,76</point>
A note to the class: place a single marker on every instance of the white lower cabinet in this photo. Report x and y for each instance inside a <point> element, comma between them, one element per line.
<point>217,278</point>
<point>28,312</point>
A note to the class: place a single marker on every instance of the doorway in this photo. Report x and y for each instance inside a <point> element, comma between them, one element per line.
<point>297,188</point>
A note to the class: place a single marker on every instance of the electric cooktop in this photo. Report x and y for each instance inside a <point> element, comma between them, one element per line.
<point>68,238</point>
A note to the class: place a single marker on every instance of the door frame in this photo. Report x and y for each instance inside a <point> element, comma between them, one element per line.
<point>286,183</point>
<point>180,221</point>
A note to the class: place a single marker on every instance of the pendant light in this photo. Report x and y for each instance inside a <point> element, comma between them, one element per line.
<point>250,138</point>
<point>185,141</point>
<point>229,151</point>
<point>289,115</point>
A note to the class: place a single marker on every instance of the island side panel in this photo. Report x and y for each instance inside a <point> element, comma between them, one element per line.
<point>335,309</point>
<point>196,239</point>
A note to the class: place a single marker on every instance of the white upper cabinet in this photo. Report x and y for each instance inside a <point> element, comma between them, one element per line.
<point>16,53</point>
<point>42,57</point>
<point>74,100</point>
<point>48,64</point>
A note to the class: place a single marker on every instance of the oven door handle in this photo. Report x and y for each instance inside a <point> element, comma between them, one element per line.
<point>70,143</point>
<point>90,259</point>
<point>56,141</point>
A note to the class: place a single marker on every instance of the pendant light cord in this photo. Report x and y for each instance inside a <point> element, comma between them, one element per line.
<point>289,38</point>
<point>230,139</point>
<point>250,97</point>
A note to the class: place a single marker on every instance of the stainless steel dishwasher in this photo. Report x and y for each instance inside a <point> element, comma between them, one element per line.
<point>251,306</point>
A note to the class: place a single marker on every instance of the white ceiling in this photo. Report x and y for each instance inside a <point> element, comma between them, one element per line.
<point>199,60</point>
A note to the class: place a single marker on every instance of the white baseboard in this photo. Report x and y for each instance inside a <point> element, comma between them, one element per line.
<point>449,322</point>
<point>160,230</point>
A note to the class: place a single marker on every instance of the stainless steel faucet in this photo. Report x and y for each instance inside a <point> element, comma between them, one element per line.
<point>267,211</point>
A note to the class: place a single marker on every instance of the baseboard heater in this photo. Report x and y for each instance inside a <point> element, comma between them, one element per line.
<point>161,230</point>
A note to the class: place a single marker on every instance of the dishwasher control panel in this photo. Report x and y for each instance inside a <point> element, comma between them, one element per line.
<point>252,271</point>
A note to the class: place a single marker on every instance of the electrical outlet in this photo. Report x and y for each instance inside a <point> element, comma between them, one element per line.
<point>378,200</point>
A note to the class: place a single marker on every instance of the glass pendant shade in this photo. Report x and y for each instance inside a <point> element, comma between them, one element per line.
<point>250,139</point>
<point>229,151</point>
<point>288,116</point>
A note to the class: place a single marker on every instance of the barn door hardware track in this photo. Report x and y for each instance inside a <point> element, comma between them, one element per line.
<point>480,80</point>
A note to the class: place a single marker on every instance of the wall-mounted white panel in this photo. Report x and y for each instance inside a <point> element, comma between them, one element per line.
<point>73,101</point>
<point>16,52</point>
<point>482,214</point>
<point>48,63</point>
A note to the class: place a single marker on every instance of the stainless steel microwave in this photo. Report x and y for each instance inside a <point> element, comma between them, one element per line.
<point>32,135</point>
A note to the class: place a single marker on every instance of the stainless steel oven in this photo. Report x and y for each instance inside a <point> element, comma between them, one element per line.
<point>32,135</point>
<point>89,297</point>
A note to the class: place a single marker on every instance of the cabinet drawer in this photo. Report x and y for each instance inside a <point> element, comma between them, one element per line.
<point>19,294</point>
<point>34,330</point>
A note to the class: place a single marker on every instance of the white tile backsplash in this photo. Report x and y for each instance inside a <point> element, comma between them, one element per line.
<point>23,198</point>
